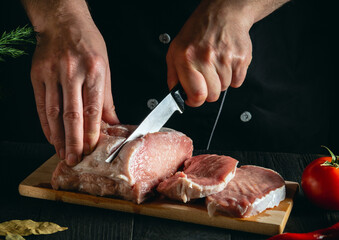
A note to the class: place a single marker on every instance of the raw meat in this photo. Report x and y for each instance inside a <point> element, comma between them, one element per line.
<point>251,191</point>
<point>135,172</point>
<point>203,175</point>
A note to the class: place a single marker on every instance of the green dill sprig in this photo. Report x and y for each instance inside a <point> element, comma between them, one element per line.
<point>19,36</point>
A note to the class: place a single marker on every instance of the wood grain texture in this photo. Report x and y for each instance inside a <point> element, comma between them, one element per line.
<point>270,222</point>
<point>19,159</point>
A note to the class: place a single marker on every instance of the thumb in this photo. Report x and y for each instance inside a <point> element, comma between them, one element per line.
<point>108,112</point>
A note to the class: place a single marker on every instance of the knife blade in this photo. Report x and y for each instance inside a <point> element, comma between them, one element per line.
<point>156,119</point>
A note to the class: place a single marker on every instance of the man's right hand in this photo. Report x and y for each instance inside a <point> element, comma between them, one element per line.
<point>70,76</point>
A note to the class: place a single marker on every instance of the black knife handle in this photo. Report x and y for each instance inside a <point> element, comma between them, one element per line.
<point>179,96</point>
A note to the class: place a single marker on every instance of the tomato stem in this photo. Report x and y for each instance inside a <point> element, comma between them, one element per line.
<point>334,162</point>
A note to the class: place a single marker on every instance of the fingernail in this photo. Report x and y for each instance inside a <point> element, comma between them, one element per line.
<point>87,149</point>
<point>62,153</point>
<point>72,159</point>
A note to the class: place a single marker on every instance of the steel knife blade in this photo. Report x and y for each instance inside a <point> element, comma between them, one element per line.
<point>156,119</point>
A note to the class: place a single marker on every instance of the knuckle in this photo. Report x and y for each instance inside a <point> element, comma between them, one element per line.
<point>94,90</point>
<point>53,112</point>
<point>97,61</point>
<point>96,66</point>
<point>69,65</point>
<point>243,56</point>
<point>244,60</point>
<point>40,106</point>
<point>91,111</point>
<point>188,54</point>
<point>198,95</point>
<point>43,65</point>
<point>207,55</point>
<point>72,116</point>
<point>227,58</point>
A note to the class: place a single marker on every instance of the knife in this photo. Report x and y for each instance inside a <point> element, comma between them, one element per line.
<point>156,119</point>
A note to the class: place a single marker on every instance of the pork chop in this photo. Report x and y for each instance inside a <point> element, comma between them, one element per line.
<point>252,190</point>
<point>203,175</point>
<point>135,172</point>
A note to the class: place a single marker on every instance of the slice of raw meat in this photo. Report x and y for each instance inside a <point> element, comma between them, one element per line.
<point>135,172</point>
<point>203,175</point>
<point>252,190</point>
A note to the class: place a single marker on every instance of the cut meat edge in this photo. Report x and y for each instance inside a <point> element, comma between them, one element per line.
<point>188,189</point>
<point>252,190</point>
<point>184,186</point>
<point>270,200</point>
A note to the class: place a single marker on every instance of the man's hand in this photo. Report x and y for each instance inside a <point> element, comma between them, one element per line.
<point>70,76</point>
<point>213,49</point>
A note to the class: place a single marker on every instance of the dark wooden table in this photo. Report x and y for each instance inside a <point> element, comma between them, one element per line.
<point>18,160</point>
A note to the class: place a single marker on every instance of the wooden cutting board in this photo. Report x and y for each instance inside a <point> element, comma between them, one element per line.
<point>269,222</point>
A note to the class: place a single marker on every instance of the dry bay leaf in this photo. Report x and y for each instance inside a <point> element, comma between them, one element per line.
<point>28,227</point>
<point>11,236</point>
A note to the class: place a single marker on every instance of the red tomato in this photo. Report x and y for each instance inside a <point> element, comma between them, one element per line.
<point>320,182</point>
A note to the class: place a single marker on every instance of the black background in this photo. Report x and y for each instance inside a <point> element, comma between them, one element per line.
<point>300,33</point>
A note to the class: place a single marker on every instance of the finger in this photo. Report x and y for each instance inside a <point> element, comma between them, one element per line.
<point>54,117</point>
<point>172,76</point>
<point>224,70</point>
<point>240,65</point>
<point>194,85</point>
<point>73,121</point>
<point>238,77</point>
<point>108,112</point>
<point>93,98</point>
<point>40,95</point>
<point>239,72</point>
<point>212,81</point>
